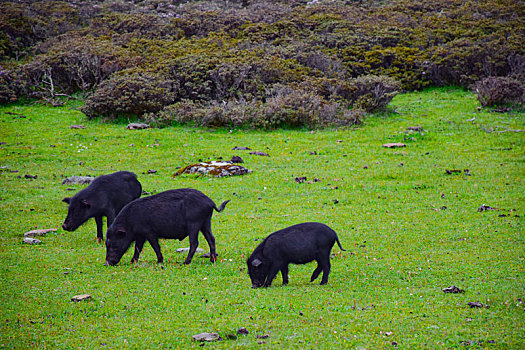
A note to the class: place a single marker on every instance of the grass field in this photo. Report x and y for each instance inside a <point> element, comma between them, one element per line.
<point>409,228</point>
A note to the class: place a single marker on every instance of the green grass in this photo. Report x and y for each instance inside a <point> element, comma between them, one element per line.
<point>402,245</point>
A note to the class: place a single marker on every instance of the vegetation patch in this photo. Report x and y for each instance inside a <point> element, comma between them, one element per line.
<point>261,64</point>
<point>410,231</point>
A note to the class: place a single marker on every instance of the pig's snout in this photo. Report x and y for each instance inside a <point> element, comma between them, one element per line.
<point>65,227</point>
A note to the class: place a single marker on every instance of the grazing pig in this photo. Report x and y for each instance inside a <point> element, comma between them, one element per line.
<point>105,196</point>
<point>174,214</point>
<point>298,244</point>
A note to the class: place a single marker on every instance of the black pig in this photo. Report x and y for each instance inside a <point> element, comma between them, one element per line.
<point>298,244</point>
<point>105,196</point>
<point>174,214</point>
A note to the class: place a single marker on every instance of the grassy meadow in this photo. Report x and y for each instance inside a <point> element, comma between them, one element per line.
<point>409,230</point>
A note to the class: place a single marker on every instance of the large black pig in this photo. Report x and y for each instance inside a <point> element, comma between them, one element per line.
<point>174,214</point>
<point>298,244</point>
<point>105,196</point>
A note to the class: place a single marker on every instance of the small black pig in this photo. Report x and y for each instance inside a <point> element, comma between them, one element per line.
<point>174,214</point>
<point>298,244</point>
<point>105,196</point>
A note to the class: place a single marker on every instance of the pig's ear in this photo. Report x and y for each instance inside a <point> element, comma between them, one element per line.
<point>120,231</point>
<point>66,200</point>
<point>256,263</point>
<point>86,203</point>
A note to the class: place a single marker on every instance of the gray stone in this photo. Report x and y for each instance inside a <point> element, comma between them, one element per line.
<point>137,126</point>
<point>30,240</point>
<point>39,232</point>
<point>78,180</point>
<point>206,337</point>
<point>80,297</point>
<point>181,250</point>
<point>394,145</point>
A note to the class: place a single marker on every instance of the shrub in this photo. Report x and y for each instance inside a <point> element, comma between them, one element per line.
<point>499,91</point>
<point>369,93</point>
<point>284,107</point>
<point>130,95</point>
<point>8,92</point>
<point>373,93</point>
<point>72,64</point>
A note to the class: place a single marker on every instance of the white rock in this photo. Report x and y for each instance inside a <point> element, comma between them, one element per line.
<point>206,337</point>
<point>180,250</point>
<point>29,240</point>
<point>40,232</point>
<point>78,180</point>
<point>81,297</point>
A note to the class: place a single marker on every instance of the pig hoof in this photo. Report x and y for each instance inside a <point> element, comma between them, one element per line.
<point>99,240</point>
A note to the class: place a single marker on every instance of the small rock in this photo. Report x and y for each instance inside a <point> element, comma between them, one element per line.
<point>262,336</point>
<point>242,330</point>
<point>80,297</point>
<point>213,168</point>
<point>236,159</point>
<point>30,240</point>
<point>394,145</point>
<point>76,126</point>
<point>415,128</point>
<point>485,207</point>
<point>137,126</point>
<point>257,153</point>
<point>152,171</point>
<point>207,337</point>
<point>78,180</point>
<point>181,250</point>
<point>241,148</point>
<point>30,176</point>
<point>453,289</point>
<point>300,179</point>
<point>40,232</point>
<point>475,304</point>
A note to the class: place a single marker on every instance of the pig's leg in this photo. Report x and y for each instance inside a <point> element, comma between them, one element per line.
<point>98,220</point>
<point>139,243</point>
<point>194,243</point>
<point>206,231</point>
<point>271,275</point>
<point>324,263</point>
<point>316,273</point>
<point>110,217</point>
<point>156,247</point>
<point>284,273</point>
